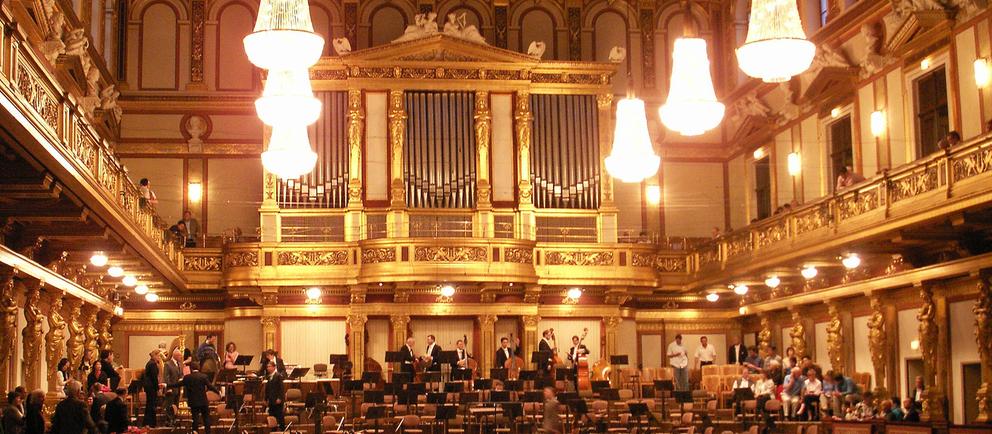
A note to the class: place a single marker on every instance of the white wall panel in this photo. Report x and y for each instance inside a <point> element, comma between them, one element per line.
<point>627,340</point>
<point>869,149</point>
<point>447,331</point>
<point>862,356</point>
<point>377,331</point>
<point>971,116</point>
<point>899,143</point>
<point>780,173</point>
<point>816,174</point>
<point>502,154</point>
<point>138,347</point>
<point>306,342</point>
<point>909,330</point>
<point>693,198</point>
<point>691,343</point>
<point>651,351</point>
<point>234,194</point>
<point>739,183</point>
<point>376,147</point>
<point>820,356</point>
<point>963,350</point>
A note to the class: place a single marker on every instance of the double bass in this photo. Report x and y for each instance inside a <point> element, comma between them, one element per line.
<point>469,362</point>
<point>515,363</point>
<point>582,366</point>
<point>555,359</point>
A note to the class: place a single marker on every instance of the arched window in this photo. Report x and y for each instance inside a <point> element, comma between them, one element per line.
<point>387,23</point>
<point>538,25</point>
<point>234,71</point>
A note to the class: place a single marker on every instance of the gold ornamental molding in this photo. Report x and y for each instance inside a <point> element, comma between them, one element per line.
<point>686,314</point>
<point>375,256</point>
<point>51,280</point>
<point>444,309</point>
<point>559,257</point>
<point>315,257</point>
<point>450,254</point>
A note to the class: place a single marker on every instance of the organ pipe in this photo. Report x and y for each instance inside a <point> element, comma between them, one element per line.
<point>327,185</point>
<point>564,153</point>
<point>440,149</point>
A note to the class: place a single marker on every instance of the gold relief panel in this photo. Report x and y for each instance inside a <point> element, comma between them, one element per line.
<point>773,233</point>
<point>812,219</point>
<point>642,260</point>
<point>738,245</point>
<point>450,254</point>
<point>709,254</point>
<point>972,164</point>
<point>518,255</point>
<point>314,257</point>
<point>241,259</point>
<point>554,257</point>
<point>914,184</point>
<point>37,95</point>
<point>375,256</point>
<point>201,263</point>
<point>671,264</point>
<point>858,203</point>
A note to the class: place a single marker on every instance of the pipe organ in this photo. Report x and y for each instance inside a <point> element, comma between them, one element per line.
<point>327,185</point>
<point>565,159</point>
<point>439,152</point>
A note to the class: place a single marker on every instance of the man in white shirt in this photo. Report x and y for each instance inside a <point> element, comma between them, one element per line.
<point>792,389</point>
<point>679,361</point>
<point>811,396</point>
<point>744,382</point>
<point>434,352</point>
<point>705,353</point>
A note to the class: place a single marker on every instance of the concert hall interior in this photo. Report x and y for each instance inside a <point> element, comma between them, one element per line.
<point>496,216</point>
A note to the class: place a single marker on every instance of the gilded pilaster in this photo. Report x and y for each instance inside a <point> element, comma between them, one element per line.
<point>765,334</point>
<point>487,331</point>
<point>983,338</point>
<point>612,325</point>
<point>198,19</point>
<point>77,331</point>
<point>397,136</point>
<point>608,214</point>
<point>835,339</point>
<point>270,330</point>
<point>356,130</point>
<point>8,325</point>
<point>54,339</point>
<point>483,134</point>
<point>399,326</point>
<point>32,335</point>
<point>105,338</point>
<point>531,336</point>
<point>523,119</point>
<point>356,343</point>
<point>934,398</point>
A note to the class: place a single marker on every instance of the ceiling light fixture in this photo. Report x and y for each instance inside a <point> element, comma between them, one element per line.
<point>809,272</point>
<point>288,99</point>
<point>851,261</point>
<point>129,280</point>
<point>289,154</point>
<point>632,158</point>
<point>283,37</point>
<point>99,259</point>
<point>141,289</point>
<point>691,107</point>
<point>776,47</point>
<point>115,271</point>
<point>151,297</point>
<point>740,289</point>
<point>773,281</point>
<point>712,297</point>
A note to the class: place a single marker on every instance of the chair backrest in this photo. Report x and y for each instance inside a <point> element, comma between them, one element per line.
<point>731,370</point>
<point>711,370</point>
<point>294,395</point>
<point>319,368</point>
<point>411,420</point>
<point>711,405</point>
<point>709,430</point>
<point>687,418</point>
<point>811,429</point>
<point>773,405</point>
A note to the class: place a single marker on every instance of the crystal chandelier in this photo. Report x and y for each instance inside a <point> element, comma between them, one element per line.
<point>283,37</point>
<point>289,154</point>
<point>776,47</point>
<point>288,99</point>
<point>632,158</point>
<point>692,107</point>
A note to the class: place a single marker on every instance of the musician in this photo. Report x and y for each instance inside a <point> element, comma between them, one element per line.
<point>434,352</point>
<point>577,350</point>
<point>503,353</point>
<point>552,420</point>
<point>545,347</point>
<point>275,394</point>
<point>271,355</point>
<point>408,356</point>
<point>461,362</point>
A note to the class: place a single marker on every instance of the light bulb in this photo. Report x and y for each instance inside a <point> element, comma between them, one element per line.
<point>115,271</point>
<point>447,291</point>
<point>653,194</point>
<point>313,293</point>
<point>141,289</point>
<point>794,163</point>
<point>877,123</point>
<point>982,73</point>
<point>129,280</point>
<point>712,297</point>
<point>740,289</point>
<point>632,158</point>
<point>809,272</point>
<point>574,293</point>
<point>98,259</point>
<point>772,281</point>
<point>151,297</point>
<point>851,261</point>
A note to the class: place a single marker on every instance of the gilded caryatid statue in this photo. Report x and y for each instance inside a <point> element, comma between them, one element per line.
<point>32,334</point>
<point>77,333</point>
<point>983,338</point>
<point>765,335</point>
<point>105,339</point>
<point>55,340</point>
<point>8,324</point>
<point>91,332</point>
<point>877,344</point>
<point>835,339</point>
<point>933,401</point>
<point>798,335</point>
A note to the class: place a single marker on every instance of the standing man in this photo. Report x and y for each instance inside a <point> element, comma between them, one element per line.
<point>705,353</point>
<point>544,366</point>
<point>192,229</point>
<point>275,394</point>
<point>196,385</point>
<point>504,352</point>
<point>574,353</point>
<point>736,353</point>
<point>207,356</point>
<point>679,361</point>
<point>407,351</point>
<point>173,373</point>
<point>434,352</point>
<point>149,382</point>
<point>461,360</point>
<point>107,363</point>
<point>552,420</point>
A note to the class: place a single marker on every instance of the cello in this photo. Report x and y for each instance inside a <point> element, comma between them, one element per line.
<point>469,362</point>
<point>555,359</point>
<point>582,366</point>
<point>515,363</point>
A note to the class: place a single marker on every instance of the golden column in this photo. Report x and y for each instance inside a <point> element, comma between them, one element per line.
<point>77,332</point>
<point>356,130</point>
<point>983,337</point>
<point>522,124</point>
<point>531,336</point>
<point>612,324</point>
<point>396,220</point>
<point>270,329</point>
<point>934,373</point>
<point>878,345</point>
<point>356,343</point>
<point>607,209</point>
<point>399,324</point>
<point>765,334</point>
<point>32,334</point>
<point>54,340</point>
<point>835,338</point>
<point>798,334</point>
<point>483,133</point>
<point>487,343</point>
<point>8,325</point>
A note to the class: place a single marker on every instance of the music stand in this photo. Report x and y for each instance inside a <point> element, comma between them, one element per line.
<point>444,413</point>
<point>431,377</point>
<point>498,374</point>
<point>372,378</point>
<point>455,387</point>
<point>578,407</point>
<point>600,385</point>
<point>741,394</point>
<point>337,360</point>
<point>402,377</point>
<point>541,358</point>
<point>663,386</point>
<point>512,411</point>
<point>513,385</point>
<point>375,413</point>
<point>533,396</point>
<point>637,411</point>
<point>399,358</point>
<point>373,396</point>
<point>437,398</point>
<point>352,388</point>
<point>528,375</point>
<point>499,396</point>
<point>609,395</point>
<point>543,382</point>
<point>459,374</point>
<point>243,361</point>
<point>466,399</point>
<point>298,373</point>
<point>482,384</point>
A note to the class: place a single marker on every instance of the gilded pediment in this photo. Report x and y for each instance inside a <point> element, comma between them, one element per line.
<point>436,48</point>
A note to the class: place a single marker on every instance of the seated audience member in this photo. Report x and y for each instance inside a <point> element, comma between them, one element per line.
<point>812,390</point>
<point>764,390</point>
<point>772,356</point>
<point>116,414</point>
<point>792,390</point>
<point>906,413</point>
<point>789,361</point>
<point>775,373</point>
<point>753,360</point>
<point>98,400</point>
<point>950,140</point>
<point>864,409</point>
<point>830,399</point>
<point>13,416</point>
<point>887,413</point>
<point>742,382</point>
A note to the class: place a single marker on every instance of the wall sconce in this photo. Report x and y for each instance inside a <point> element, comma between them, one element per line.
<point>195,191</point>
<point>794,163</point>
<point>758,153</point>
<point>313,295</point>
<point>982,73</point>
<point>653,194</point>
<point>877,123</point>
<point>914,344</point>
<point>835,112</point>
<point>447,294</point>
<point>925,64</point>
<point>572,296</point>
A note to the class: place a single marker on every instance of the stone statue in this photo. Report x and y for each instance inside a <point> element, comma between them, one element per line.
<point>341,46</point>
<point>536,49</point>
<point>77,337</point>
<point>765,335</point>
<point>618,54</point>
<point>747,106</point>
<point>8,324</point>
<point>53,46</point>
<point>108,99</point>
<point>422,27</point>
<point>873,61</point>
<point>55,340</point>
<point>196,128</point>
<point>963,9</point>
<point>877,342</point>
<point>983,338</point>
<point>798,335</point>
<point>76,42</point>
<point>835,339</point>
<point>928,326</point>
<point>105,338</point>
<point>457,27</point>
<point>32,334</point>
<point>826,57</point>
<point>91,331</point>
<point>789,109</point>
